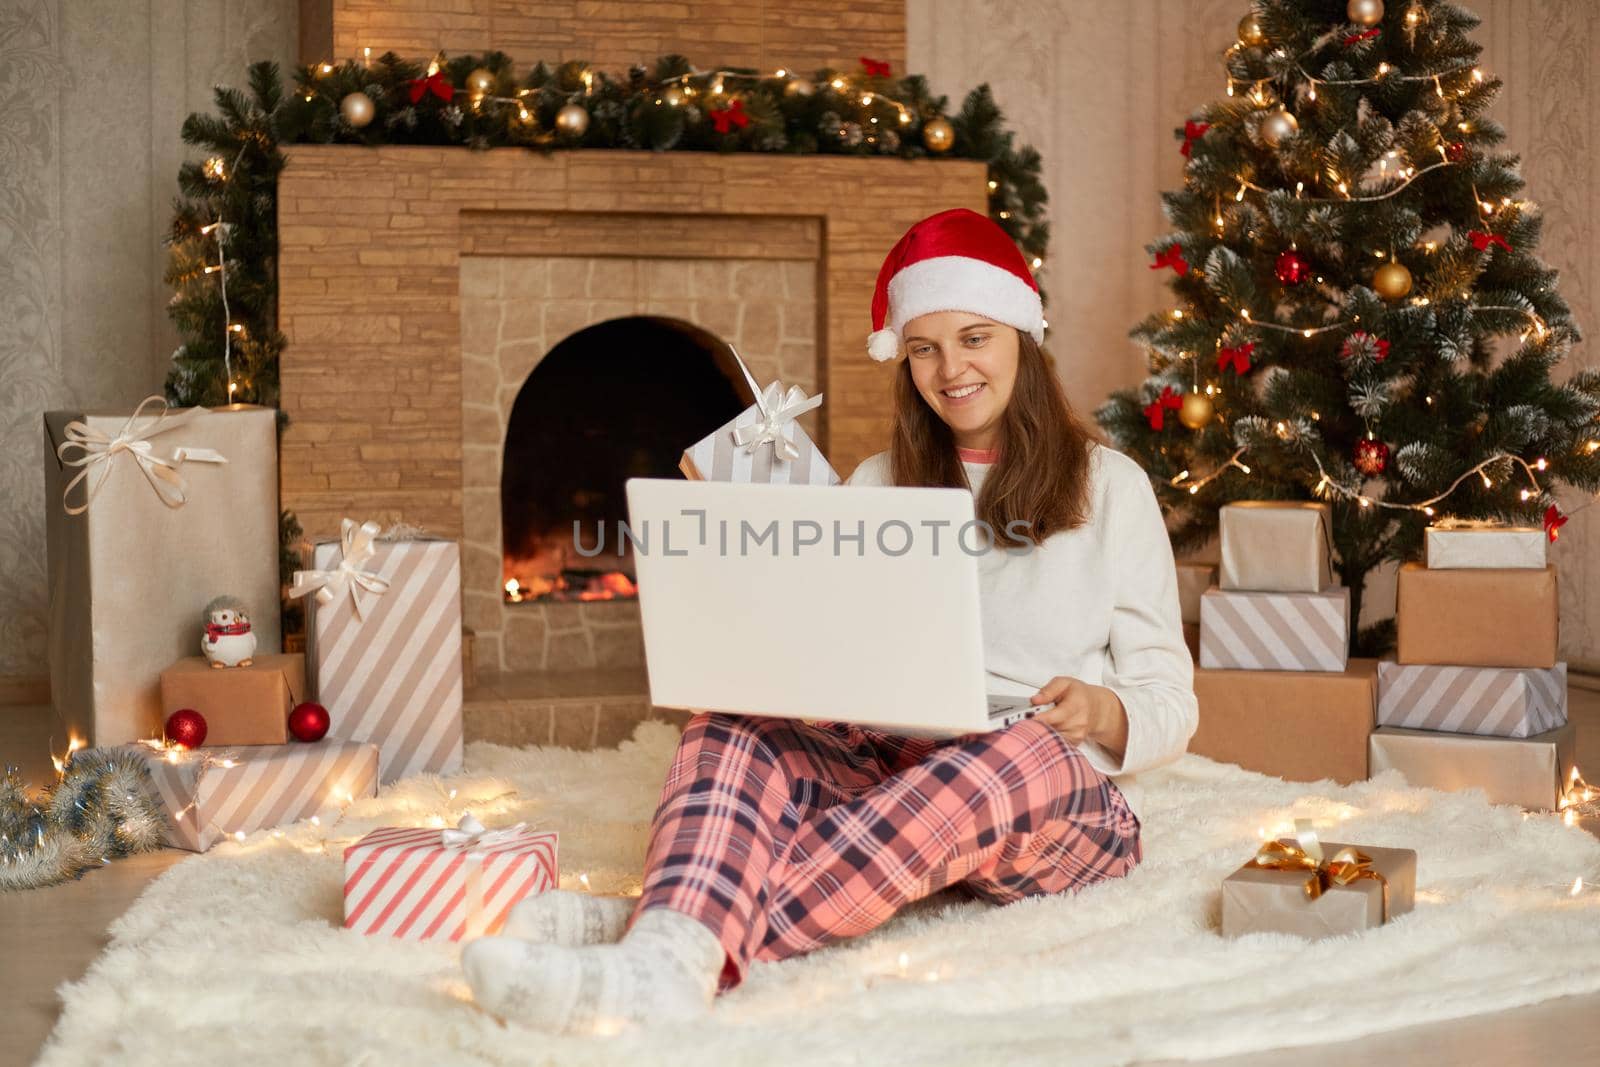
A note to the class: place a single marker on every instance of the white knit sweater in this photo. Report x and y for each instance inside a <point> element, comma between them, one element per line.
<point>1098,603</point>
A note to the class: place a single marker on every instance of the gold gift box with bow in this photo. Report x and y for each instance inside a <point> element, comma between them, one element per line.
<point>1313,889</point>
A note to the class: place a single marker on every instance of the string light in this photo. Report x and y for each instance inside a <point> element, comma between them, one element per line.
<point>1181,479</point>
<point>1413,177</point>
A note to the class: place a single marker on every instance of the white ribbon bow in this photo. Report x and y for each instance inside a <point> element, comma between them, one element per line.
<point>470,833</point>
<point>355,548</point>
<point>97,450</point>
<point>778,412</point>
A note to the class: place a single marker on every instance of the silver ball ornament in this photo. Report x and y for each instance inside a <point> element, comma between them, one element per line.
<point>800,87</point>
<point>572,120</point>
<point>1278,127</point>
<point>357,109</point>
<point>1365,12</point>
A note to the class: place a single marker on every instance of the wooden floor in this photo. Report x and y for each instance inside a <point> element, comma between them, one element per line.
<point>50,936</point>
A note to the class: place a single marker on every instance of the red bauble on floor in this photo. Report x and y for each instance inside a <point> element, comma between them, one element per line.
<point>308,722</point>
<point>186,728</point>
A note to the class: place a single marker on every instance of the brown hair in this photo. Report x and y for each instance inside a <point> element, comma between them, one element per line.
<point>1041,476</point>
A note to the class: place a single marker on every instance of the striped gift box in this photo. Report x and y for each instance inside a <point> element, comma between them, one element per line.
<point>212,793</point>
<point>1489,701</point>
<point>1275,631</point>
<point>721,458</point>
<point>390,673</point>
<point>411,884</point>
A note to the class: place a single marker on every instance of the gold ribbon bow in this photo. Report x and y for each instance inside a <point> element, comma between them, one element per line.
<point>1346,866</point>
<point>97,449</point>
<point>355,549</point>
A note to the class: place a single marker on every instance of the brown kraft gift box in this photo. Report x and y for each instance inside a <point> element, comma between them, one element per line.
<point>1477,618</point>
<point>1257,900</point>
<point>241,705</point>
<point>1300,725</point>
<point>1530,772</point>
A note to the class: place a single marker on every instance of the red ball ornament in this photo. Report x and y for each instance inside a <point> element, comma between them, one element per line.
<point>1372,457</point>
<point>186,728</point>
<point>1455,151</point>
<point>1292,267</point>
<point>308,722</point>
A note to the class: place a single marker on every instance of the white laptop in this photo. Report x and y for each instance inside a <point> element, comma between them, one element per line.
<point>848,603</point>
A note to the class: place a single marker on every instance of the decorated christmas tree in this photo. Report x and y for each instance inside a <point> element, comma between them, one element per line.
<point>1359,312</point>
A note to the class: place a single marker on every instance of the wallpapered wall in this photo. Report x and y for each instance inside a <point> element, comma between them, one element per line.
<point>1098,89</point>
<point>92,95</point>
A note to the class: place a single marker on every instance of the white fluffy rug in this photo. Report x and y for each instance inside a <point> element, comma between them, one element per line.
<point>237,956</point>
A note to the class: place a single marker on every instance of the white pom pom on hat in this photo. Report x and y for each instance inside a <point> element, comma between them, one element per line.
<point>957,260</point>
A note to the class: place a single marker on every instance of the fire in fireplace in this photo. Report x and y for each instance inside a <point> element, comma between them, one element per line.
<point>618,400</point>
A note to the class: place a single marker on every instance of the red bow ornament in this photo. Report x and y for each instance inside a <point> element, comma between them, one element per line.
<point>725,118</point>
<point>1357,38</point>
<point>1553,521</point>
<point>1192,132</point>
<point>1172,257</point>
<point>1156,410</point>
<point>1238,357</point>
<point>435,83</point>
<point>1481,240</point>
<point>877,68</point>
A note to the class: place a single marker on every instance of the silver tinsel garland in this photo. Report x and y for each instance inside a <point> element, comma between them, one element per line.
<point>101,807</point>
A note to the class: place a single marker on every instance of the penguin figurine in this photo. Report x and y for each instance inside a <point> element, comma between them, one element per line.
<point>228,641</point>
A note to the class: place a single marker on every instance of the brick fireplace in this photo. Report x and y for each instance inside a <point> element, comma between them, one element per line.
<point>421,288</point>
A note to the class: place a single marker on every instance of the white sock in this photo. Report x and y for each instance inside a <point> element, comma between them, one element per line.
<point>562,917</point>
<point>665,969</point>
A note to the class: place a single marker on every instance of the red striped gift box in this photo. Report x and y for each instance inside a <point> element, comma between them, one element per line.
<point>416,885</point>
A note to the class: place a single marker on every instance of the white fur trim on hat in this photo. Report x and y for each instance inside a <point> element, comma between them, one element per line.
<point>962,283</point>
<point>883,344</point>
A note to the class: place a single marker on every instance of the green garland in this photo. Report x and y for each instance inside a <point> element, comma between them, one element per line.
<point>223,241</point>
<point>101,808</point>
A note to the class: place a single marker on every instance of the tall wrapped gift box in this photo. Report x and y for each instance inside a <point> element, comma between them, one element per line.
<point>208,793</point>
<point>763,443</point>
<point>1276,546</point>
<point>1483,545</point>
<point>1505,617</point>
<point>1299,725</point>
<point>383,645</point>
<point>1494,701</point>
<point>241,705</point>
<point>1530,772</point>
<point>452,884</point>
<point>148,517</point>
<point>1314,889</point>
<point>1275,631</point>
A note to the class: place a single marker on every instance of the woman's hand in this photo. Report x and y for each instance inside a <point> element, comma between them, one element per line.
<point>1084,712</point>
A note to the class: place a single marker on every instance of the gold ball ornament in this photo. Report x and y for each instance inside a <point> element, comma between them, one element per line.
<point>357,109</point>
<point>1392,281</point>
<point>800,87</point>
<point>938,135</point>
<point>1278,127</point>
<point>1197,410</point>
<point>672,96</point>
<point>572,120</point>
<point>480,81</point>
<point>1365,12</point>
<point>1250,32</point>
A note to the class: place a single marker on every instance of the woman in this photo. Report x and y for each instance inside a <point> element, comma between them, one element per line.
<point>773,836</point>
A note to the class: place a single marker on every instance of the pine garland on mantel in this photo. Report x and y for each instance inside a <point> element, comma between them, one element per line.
<point>223,242</point>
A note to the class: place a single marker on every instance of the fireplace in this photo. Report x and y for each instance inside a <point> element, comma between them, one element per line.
<point>621,399</point>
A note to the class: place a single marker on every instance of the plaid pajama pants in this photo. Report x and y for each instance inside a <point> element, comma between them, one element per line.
<point>781,836</point>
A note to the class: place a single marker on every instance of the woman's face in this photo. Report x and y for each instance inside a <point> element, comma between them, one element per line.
<point>965,367</point>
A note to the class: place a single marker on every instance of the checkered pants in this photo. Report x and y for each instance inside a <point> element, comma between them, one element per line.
<point>782,836</point>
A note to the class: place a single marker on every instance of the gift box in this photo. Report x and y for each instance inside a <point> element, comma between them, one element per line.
<point>1480,545</point>
<point>1530,772</point>
<point>148,517</point>
<point>1297,725</point>
<point>241,705</point>
<point>763,443</point>
<point>383,645</point>
<point>1275,631</point>
<point>210,793</point>
<point>450,884</point>
<point>1275,546</point>
<point>1314,889</point>
<point>1193,580</point>
<point>1477,618</point>
<point>1494,701</point>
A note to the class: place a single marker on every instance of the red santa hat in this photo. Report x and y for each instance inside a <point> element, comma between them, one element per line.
<point>957,260</point>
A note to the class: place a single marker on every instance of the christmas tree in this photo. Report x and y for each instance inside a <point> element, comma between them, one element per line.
<point>1359,314</point>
